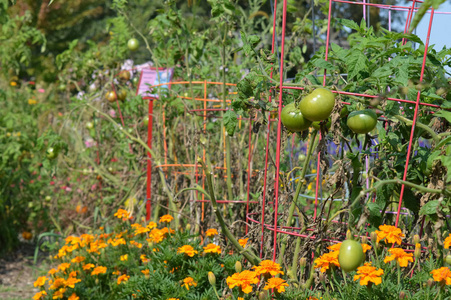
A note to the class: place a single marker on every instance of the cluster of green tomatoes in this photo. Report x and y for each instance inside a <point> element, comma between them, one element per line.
<point>317,107</point>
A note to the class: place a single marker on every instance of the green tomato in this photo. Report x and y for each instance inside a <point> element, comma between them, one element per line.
<point>350,256</point>
<point>317,105</point>
<point>448,259</point>
<point>293,119</point>
<point>51,153</point>
<point>317,125</point>
<point>89,125</point>
<point>133,44</point>
<point>135,80</point>
<point>121,95</point>
<point>48,198</point>
<point>301,157</point>
<point>146,121</point>
<point>362,121</point>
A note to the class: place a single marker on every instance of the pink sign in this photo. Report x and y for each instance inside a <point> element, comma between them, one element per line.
<point>149,77</point>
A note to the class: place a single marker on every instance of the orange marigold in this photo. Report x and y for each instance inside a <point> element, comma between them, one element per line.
<point>326,260</point>
<point>40,281</point>
<point>243,280</point>
<point>59,294</point>
<point>389,234</point>
<point>188,250</point>
<point>365,247</point>
<point>335,247</point>
<point>400,256</point>
<point>368,273</point>
<point>212,248</point>
<point>268,266</point>
<point>98,270</point>
<point>78,259</point>
<point>166,219</point>
<point>122,214</point>
<point>189,281</point>
<point>442,275</point>
<point>73,297</point>
<point>243,242</point>
<point>71,281</point>
<point>39,295</point>
<point>276,283</point>
<point>122,278</point>
<point>124,257</point>
<point>88,266</point>
<point>211,232</point>
<point>448,241</point>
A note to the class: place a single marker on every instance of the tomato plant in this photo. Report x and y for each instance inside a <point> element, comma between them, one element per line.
<point>351,255</point>
<point>362,121</point>
<point>293,119</point>
<point>133,44</point>
<point>317,105</point>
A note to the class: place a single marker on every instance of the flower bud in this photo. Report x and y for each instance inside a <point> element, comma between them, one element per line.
<point>364,239</point>
<point>212,278</point>
<point>402,295</point>
<point>303,262</point>
<point>348,235</point>
<point>417,252</point>
<point>322,277</point>
<point>188,227</point>
<point>263,295</point>
<point>416,239</point>
<point>430,282</point>
<point>373,236</point>
<point>97,281</point>
<point>238,267</point>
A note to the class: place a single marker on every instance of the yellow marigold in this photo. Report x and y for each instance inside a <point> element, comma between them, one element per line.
<point>32,101</point>
<point>400,256</point>
<point>211,232</point>
<point>212,248</point>
<point>98,270</point>
<point>243,280</point>
<point>39,295</point>
<point>368,273</point>
<point>117,242</point>
<point>73,297</point>
<point>188,250</point>
<point>389,234</point>
<point>140,229</point>
<point>335,247</point>
<point>276,283</point>
<point>73,274</point>
<point>151,225</point>
<point>155,236</point>
<point>442,275</point>
<point>40,281</point>
<point>71,281</point>
<point>88,266</point>
<point>77,259</point>
<point>166,230</point>
<point>365,247</point>
<point>173,299</point>
<point>189,281</point>
<point>448,241</point>
<point>122,214</point>
<point>59,294</point>
<point>124,257</point>
<point>136,244</point>
<point>326,260</point>
<point>57,283</point>
<point>63,267</point>
<point>166,219</point>
<point>268,266</point>
<point>144,259</point>
<point>145,272</point>
<point>243,242</point>
<point>122,278</point>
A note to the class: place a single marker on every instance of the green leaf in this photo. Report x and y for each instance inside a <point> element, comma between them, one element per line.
<point>357,62</point>
<point>430,208</point>
<point>230,121</point>
<point>444,114</point>
<point>382,72</point>
<point>350,24</point>
<point>323,64</point>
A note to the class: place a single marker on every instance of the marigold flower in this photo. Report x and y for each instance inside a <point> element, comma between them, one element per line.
<point>122,278</point>
<point>151,225</point>
<point>389,234</point>
<point>243,280</point>
<point>243,242</point>
<point>144,259</point>
<point>73,297</point>
<point>368,273</point>
<point>268,266</point>
<point>173,299</point>
<point>57,283</point>
<point>77,259</point>
<point>400,256</point>
<point>447,243</point>
<point>39,295</point>
<point>88,266</point>
<point>211,232</point>
<point>189,281</point>
<point>117,242</point>
<point>188,250</point>
<point>276,283</point>
<point>71,281</point>
<point>442,275</point>
<point>52,271</point>
<point>212,248</point>
<point>40,281</point>
<point>145,272</point>
<point>166,219</point>
<point>335,247</point>
<point>59,294</point>
<point>122,214</point>
<point>141,229</point>
<point>155,236</point>
<point>365,247</point>
<point>124,257</point>
<point>98,270</point>
<point>326,260</point>
<point>63,267</point>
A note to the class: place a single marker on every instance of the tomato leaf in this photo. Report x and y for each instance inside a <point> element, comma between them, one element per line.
<point>444,114</point>
<point>357,62</point>
<point>430,208</point>
<point>230,121</point>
